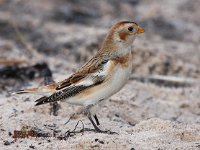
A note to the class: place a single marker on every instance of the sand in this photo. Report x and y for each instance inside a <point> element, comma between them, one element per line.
<point>146,116</point>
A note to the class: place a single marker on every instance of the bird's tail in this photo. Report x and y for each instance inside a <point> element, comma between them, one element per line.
<point>30,90</point>
<point>42,100</point>
<point>42,89</point>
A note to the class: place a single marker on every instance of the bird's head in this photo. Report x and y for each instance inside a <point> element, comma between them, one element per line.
<point>125,32</point>
<point>122,35</point>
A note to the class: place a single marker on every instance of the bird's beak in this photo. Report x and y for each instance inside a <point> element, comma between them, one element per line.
<point>140,30</point>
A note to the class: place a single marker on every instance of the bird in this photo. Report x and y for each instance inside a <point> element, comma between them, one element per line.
<point>101,77</point>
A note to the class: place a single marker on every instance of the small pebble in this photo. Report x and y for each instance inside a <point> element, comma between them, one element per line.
<point>31,146</point>
<point>9,133</point>
<point>102,142</point>
<point>96,140</point>
<point>7,143</point>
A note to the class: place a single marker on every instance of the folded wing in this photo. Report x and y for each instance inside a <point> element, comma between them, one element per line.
<point>91,74</point>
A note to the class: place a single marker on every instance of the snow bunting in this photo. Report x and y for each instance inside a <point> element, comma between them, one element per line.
<point>101,77</point>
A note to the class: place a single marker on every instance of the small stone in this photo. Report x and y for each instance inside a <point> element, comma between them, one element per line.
<point>96,140</point>
<point>9,133</point>
<point>31,146</point>
<point>101,142</point>
<point>7,143</point>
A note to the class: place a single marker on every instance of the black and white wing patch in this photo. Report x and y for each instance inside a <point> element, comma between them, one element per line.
<point>89,81</point>
<point>60,95</point>
<point>66,93</point>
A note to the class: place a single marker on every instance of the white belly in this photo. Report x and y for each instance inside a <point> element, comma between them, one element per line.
<point>105,90</point>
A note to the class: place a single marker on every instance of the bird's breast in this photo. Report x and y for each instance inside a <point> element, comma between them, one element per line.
<point>123,61</point>
<point>121,73</point>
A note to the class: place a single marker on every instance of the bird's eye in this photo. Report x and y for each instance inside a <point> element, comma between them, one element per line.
<point>130,28</point>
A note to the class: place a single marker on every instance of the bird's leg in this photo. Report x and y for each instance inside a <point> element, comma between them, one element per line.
<point>95,116</point>
<point>94,125</point>
<point>90,118</point>
<point>96,119</point>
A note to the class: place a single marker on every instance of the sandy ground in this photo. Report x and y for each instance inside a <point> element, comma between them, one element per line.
<point>65,34</point>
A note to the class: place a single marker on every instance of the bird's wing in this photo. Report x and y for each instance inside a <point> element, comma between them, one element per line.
<point>95,65</point>
<point>91,74</point>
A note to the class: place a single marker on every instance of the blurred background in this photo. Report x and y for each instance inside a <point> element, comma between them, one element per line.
<point>66,33</point>
<point>42,41</point>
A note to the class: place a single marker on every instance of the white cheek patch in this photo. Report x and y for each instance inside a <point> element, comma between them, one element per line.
<point>117,37</point>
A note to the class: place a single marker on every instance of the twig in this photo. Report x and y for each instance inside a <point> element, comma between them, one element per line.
<point>68,120</point>
<point>77,125</point>
<point>12,62</point>
<point>69,133</point>
<point>167,80</point>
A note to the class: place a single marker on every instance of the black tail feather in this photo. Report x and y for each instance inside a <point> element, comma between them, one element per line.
<point>42,100</point>
<point>21,92</point>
